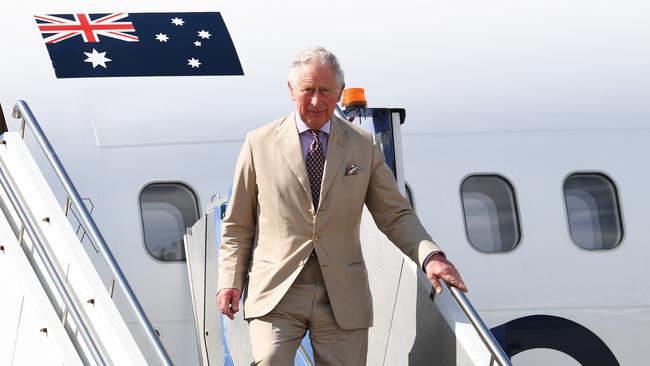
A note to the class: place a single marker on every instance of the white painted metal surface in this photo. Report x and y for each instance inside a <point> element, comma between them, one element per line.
<point>409,328</point>
<point>71,260</point>
<point>29,321</point>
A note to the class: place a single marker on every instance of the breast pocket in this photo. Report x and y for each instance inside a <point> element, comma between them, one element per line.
<point>360,177</point>
<point>354,187</point>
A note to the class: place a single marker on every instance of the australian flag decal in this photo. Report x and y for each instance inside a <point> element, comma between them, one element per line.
<point>138,44</point>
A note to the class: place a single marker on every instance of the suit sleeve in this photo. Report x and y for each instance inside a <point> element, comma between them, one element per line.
<point>239,224</point>
<point>393,213</point>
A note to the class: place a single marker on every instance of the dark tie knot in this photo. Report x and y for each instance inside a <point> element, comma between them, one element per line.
<point>314,133</point>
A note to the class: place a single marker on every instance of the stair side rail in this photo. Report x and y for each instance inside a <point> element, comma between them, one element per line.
<point>64,292</point>
<point>22,111</point>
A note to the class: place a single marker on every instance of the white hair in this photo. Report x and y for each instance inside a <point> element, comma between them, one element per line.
<point>317,56</point>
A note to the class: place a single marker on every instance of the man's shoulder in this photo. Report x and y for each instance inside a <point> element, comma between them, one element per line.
<point>269,129</point>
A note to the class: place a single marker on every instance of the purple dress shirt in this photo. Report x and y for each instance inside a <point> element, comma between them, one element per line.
<point>306,137</point>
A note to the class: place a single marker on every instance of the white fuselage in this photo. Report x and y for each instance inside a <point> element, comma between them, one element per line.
<point>532,91</point>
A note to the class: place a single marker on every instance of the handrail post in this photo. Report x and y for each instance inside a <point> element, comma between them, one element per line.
<point>22,110</point>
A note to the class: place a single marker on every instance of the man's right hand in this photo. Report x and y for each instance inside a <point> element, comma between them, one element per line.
<point>228,301</point>
<point>438,268</point>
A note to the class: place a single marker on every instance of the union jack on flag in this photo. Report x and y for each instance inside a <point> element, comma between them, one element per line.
<point>88,28</point>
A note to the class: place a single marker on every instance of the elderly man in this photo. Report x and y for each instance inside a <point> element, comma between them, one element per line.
<point>292,226</point>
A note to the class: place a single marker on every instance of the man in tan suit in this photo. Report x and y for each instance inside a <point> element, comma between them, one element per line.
<point>292,226</point>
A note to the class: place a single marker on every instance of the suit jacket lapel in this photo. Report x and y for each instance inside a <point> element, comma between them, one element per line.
<point>336,149</point>
<point>289,144</point>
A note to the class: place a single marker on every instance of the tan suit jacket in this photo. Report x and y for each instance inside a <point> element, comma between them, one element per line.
<point>271,227</point>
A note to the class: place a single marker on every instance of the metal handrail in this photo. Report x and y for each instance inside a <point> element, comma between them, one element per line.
<point>28,223</point>
<point>22,111</point>
<point>486,336</point>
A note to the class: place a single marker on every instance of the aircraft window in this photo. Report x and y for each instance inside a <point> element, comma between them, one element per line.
<point>593,211</point>
<point>490,209</point>
<point>167,209</point>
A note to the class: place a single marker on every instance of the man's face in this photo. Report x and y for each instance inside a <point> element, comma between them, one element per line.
<point>315,93</point>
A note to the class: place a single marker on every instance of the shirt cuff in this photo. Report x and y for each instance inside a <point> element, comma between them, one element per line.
<point>426,260</point>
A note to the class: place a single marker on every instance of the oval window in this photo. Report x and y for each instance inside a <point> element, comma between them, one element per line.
<point>167,209</point>
<point>593,211</point>
<point>491,216</point>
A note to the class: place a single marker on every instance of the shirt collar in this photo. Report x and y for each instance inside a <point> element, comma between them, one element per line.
<point>302,126</point>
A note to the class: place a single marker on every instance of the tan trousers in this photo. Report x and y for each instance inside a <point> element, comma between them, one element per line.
<point>275,337</point>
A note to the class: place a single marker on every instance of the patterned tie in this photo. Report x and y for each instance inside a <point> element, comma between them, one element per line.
<point>315,163</point>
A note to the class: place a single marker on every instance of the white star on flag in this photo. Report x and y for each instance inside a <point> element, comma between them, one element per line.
<point>204,34</point>
<point>197,44</point>
<point>162,37</point>
<point>97,58</point>
<point>178,21</point>
<point>193,62</point>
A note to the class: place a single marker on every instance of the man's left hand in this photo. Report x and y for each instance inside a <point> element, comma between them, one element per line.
<point>439,268</point>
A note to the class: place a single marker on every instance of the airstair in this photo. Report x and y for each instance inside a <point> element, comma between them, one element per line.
<point>58,305</point>
<point>411,326</point>
<point>56,308</point>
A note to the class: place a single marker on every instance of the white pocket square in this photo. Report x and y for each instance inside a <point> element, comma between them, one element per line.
<point>352,170</point>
